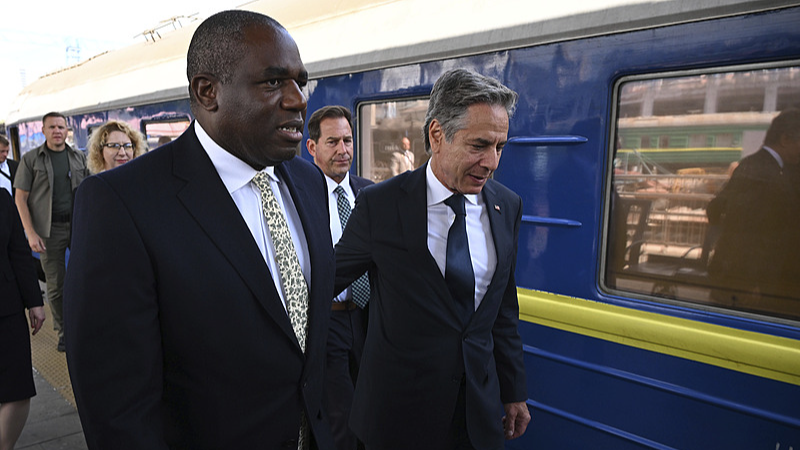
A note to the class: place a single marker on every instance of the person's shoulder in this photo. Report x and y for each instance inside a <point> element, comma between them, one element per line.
<point>76,152</point>
<point>13,163</point>
<point>31,154</point>
<point>501,190</point>
<point>298,166</point>
<point>360,182</point>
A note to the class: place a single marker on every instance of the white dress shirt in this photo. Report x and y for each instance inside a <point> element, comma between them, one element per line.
<point>479,232</point>
<point>336,224</point>
<point>237,177</point>
<point>5,182</point>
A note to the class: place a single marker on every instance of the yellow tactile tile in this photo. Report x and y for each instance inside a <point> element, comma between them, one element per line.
<point>50,363</point>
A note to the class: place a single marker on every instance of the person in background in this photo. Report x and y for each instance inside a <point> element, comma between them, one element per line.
<point>112,145</point>
<point>443,357</point>
<point>164,140</point>
<point>755,260</point>
<point>8,167</point>
<point>330,143</point>
<point>402,161</point>
<point>46,180</point>
<point>19,289</point>
<point>199,288</point>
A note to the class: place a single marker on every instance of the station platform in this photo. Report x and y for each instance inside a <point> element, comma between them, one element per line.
<point>53,422</point>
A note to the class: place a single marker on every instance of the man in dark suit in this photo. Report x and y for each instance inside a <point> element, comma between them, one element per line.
<point>443,356</point>
<point>755,263</point>
<point>8,167</point>
<point>197,320</point>
<point>331,144</point>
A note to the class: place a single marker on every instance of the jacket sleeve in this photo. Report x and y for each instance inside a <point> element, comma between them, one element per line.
<point>112,325</point>
<point>353,251</point>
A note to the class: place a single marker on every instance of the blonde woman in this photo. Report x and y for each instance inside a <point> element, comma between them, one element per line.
<point>114,144</point>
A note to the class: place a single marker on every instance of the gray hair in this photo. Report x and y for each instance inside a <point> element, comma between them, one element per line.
<point>457,90</point>
<point>218,44</point>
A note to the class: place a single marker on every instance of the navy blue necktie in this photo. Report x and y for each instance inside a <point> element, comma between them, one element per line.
<point>458,267</point>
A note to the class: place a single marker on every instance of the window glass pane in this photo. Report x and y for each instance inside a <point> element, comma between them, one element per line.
<point>390,138</point>
<point>159,133</point>
<point>704,213</point>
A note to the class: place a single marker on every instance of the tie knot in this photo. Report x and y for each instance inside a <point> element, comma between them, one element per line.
<point>262,180</point>
<point>456,203</point>
<point>339,190</point>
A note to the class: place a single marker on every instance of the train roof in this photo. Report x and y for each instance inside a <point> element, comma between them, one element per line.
<point>350,36</point>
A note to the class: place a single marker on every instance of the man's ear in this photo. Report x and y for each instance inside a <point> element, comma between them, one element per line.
<point>312,147</point>
<point>205,88</point>
<point>435,135</point>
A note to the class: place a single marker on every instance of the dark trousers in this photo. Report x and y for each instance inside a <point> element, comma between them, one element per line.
<point>344,348</point>
<point>458,439</point>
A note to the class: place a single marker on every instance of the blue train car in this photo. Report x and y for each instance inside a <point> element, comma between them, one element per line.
<point>630,120</point>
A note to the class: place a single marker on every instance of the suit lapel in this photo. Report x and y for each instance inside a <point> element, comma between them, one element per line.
<point>497,209</point>
<point>231,236</point>
<point>413,212</point>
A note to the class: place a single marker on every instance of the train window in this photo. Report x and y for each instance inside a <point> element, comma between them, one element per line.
<point>159,133</point>
<point>702,212</point>
<point>390,137</point>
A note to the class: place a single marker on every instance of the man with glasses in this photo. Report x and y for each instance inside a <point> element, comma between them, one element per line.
<point>47,177</point>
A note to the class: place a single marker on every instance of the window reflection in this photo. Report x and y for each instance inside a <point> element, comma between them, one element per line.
<point>701,212</point>
<point>391,138</point>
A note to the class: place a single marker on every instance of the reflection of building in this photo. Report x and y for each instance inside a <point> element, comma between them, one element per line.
<point>703,120</point>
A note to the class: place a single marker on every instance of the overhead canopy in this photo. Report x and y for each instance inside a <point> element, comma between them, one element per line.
<point>347,36</point>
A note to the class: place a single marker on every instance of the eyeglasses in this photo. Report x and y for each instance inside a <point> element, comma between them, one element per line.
<point>116,147</point>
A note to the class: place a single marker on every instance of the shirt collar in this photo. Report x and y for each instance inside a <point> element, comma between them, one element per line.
<point>234,172</point>
<point>332,185</point>
<point>774,155</point>
<point>437,192</point>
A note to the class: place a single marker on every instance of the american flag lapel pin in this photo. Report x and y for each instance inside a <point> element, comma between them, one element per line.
<point>497,208</point>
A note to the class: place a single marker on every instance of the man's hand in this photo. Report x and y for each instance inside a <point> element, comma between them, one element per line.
<point>36,243</point>
<point>516,419</point>
<point>36,315</point>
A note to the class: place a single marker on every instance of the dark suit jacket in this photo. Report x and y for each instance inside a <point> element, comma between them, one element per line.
<point>19,286</point>
<point>357,183</point>
<point>176,337</point>
<point>757,211</point>
<point>12,169</point>
<point>417,348</point>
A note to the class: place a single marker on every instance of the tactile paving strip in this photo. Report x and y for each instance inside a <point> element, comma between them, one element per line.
<point>48,361</point>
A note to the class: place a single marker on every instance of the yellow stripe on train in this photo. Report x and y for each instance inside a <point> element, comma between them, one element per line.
<point>758,354</point>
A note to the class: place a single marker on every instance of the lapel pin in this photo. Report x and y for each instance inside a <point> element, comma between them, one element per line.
<point>497,208</point>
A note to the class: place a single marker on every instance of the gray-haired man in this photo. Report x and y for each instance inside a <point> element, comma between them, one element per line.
<point>443,357</point>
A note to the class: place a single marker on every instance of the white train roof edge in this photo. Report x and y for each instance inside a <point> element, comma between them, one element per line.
<point>332,42</point>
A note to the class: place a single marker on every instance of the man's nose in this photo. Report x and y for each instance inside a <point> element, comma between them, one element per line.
<point>293,98</point>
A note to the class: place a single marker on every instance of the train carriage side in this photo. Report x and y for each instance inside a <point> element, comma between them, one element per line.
<point>613,365</point>
<point>625,347</point>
